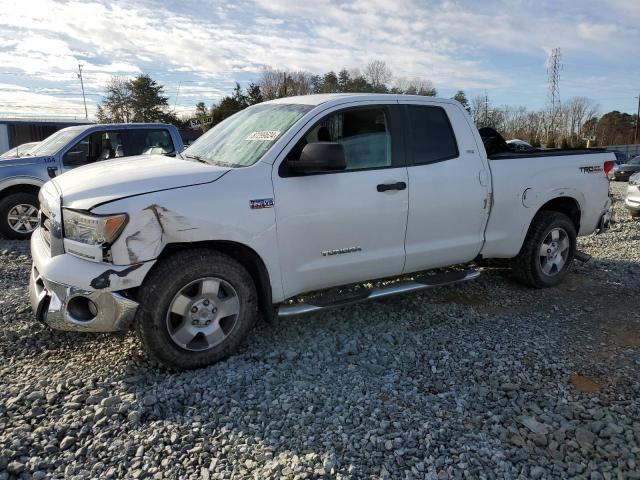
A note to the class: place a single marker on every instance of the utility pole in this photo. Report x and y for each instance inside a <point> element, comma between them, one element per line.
<point>284,74</point>
<point>177,93</point>
<point>84,99</point>
<point>486,109</point>
<point>635,135</point>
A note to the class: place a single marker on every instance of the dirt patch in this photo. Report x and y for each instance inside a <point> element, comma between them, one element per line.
<point>584,384</point>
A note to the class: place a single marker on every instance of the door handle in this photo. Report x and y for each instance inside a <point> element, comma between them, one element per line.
<point>383,187</point>
<point>51,171</point>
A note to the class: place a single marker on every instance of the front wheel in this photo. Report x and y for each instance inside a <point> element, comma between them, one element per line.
<point>546,255</point>
<point>196,307</point>
<point>19,215</point>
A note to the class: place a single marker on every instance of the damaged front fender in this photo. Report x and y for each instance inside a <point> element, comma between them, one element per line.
<point>149,230</point>
<point>157,226</point>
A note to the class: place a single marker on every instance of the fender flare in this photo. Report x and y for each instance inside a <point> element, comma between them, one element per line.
<point>548,196</point>
<point>20,180</point>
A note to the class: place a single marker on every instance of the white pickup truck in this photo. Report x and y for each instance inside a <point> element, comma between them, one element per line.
<point>300,195</point>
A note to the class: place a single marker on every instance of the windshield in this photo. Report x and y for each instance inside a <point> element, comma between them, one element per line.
<point>10,153</point>
<point>53,143</point>
<point>242,139</point>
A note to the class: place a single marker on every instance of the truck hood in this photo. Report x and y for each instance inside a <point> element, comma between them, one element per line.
<point>21,161</point>
<point>90,185</point>
<point>629,168</point>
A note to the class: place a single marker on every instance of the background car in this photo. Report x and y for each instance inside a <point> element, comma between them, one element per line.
<point>71,147</point>
<point>621,158</point>
<point>632,202</point>
<point>624,171</point>
<point>20,150</point>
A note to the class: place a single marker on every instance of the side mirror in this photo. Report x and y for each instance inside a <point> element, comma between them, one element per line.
<point>320,157</point>
<point>76,157</point>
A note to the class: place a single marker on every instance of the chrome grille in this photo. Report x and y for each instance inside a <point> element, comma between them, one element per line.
<point>45,224</point>
<point>51,218</point>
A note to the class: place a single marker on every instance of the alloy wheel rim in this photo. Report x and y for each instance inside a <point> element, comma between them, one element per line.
<point>554,252</point>
<point>202,314</point>
<point>23,218</point>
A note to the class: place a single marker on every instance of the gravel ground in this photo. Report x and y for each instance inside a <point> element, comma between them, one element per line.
<point>482,380</point>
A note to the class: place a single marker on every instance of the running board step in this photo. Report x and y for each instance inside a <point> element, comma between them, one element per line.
<point>364,294</point>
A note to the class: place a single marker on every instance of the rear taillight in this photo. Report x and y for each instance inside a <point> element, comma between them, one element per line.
<point>608,166</point>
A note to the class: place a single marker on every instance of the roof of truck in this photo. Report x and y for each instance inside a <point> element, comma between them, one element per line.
<point>320,98</point>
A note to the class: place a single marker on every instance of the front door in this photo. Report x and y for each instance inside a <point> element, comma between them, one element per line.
<point>342,227</point>
<point>94,147</point>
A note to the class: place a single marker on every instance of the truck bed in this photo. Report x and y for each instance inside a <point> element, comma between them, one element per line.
<point>553,152</point>
<point>520,189</point>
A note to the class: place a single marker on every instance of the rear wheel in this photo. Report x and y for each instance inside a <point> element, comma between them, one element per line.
<point>19,215</point>
<point>195,309</point>
<point>547,252</point>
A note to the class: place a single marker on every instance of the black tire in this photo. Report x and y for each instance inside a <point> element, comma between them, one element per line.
<point>527,267</point>
<point>168,279</point>
<point>7,204</point>
<point>634,214</point>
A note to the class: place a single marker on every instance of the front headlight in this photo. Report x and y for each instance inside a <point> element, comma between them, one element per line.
<point>92,229</point>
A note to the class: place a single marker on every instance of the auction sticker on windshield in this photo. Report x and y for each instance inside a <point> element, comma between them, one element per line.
<point>268,135</point>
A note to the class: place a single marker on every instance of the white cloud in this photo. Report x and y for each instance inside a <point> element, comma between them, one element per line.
<point>456,44</point>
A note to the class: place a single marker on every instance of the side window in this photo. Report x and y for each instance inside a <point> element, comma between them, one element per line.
<point>430,137</point>
<point>95,147</point>
<point>150,142</point>
<point>363,132</point>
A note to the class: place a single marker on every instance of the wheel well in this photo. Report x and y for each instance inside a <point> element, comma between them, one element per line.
<point>248,258</point>
<point>21,188</point>
<point>567,205</point>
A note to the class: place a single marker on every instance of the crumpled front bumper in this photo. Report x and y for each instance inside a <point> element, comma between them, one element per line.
<point>67,307</point>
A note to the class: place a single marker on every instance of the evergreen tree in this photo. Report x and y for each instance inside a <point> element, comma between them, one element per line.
<point>254,95</point>
<point>462,98</point>
<point>147,100</point>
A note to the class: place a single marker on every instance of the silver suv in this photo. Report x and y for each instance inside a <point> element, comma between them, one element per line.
<point>632,202</point>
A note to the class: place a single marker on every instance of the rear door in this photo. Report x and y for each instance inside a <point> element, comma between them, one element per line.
<point>342,227</point>
<point>449,184</point>
<point>148,141</point>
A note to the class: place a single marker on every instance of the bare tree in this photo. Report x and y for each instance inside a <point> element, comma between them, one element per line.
<point>413,86</point>
<point>378,73</point>
<point>479,110</point>
<point>270,83</point>
<point>283,83</point>
<point>514,122</point>
<point>299,83</point>
<point>117,104</point>
<point>578,111</point>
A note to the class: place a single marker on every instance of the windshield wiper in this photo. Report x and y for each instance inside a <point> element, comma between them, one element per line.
<point>214,162</point>
<point>197,157</point>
